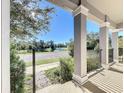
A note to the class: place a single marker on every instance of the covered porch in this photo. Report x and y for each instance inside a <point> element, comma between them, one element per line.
<point>103,12</point>
<point>108,78</point>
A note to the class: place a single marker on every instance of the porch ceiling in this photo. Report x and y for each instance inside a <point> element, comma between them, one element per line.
<point>113,8</point>
<point>98,8</point>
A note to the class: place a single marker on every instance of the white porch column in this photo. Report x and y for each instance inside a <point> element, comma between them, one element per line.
<point>5,62</point>
<point>115,46</point>
<point>80,47</point>
<point>104,44</point>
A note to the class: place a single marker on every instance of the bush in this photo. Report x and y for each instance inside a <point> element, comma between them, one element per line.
<point>17,68</point>
<point>67,68</point>
<point>54,75</point>
<point>63,73</point>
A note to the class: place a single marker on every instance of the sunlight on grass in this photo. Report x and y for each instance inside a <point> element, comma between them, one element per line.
<point>43,61</point>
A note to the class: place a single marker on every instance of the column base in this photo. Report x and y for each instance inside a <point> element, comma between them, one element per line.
<point>116,61</point>
<point>106,66</point>
<point>80,80</point>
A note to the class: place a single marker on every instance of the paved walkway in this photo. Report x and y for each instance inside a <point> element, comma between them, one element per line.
<point>106,81</point>
<point>39,56</point>
<point>68,87</point>
<point>42,67</point>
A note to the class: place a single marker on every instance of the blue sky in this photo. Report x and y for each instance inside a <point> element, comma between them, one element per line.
<point>61,25</point>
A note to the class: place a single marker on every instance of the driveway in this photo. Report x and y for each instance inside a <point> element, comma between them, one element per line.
<point>39,56</point>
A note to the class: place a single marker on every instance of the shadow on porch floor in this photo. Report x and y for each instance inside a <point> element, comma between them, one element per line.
<point>106,81</point>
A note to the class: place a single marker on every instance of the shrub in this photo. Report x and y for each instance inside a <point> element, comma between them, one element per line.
<point>54,75</point>
<point>17,68</point>
<point>67,68</point>
<point>63,73</point>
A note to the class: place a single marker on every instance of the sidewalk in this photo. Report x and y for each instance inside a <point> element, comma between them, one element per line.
<point>42,67</point>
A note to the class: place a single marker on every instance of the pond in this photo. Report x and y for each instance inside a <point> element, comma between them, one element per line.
<point>61,49</point>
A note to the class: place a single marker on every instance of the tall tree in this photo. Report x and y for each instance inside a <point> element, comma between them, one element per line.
<point>52,45</point>
<point>92,40</point>
<point>28,18</point>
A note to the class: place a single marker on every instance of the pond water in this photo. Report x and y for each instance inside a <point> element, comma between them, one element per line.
<point>60,49</point>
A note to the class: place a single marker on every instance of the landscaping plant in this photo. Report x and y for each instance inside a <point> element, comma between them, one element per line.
<point>17,75</point>
<point>67,68</point>
<point>63,73</point>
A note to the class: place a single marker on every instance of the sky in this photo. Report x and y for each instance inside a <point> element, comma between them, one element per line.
<point>61,25</point>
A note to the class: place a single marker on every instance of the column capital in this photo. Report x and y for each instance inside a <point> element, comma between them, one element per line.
<point>80,9</point>
<point>105,24</point>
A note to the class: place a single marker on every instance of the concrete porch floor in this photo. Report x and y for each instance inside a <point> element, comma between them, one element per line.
<point>117,67</point>
<point>106,81</point>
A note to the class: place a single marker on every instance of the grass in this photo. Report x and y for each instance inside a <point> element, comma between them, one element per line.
<point>43,61</point>
<point>47,50</point>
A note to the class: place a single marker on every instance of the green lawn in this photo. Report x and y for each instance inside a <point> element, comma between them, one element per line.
<point>27,53</point>
<point>43,61</point>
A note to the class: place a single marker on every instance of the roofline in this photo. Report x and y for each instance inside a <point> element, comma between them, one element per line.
<point>68,5</point>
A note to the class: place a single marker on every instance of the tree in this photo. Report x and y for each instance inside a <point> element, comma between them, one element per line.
<point>92,40</point>
<point>120,41</point>
<point>17,68</point>
<point>92,43</point>
<point>27,18</point>
<point>71,48</point>
<point>42,45</point>
<point>52,45</point>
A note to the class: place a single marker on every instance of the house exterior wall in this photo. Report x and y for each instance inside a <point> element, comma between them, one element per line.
<point>5,62</point>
